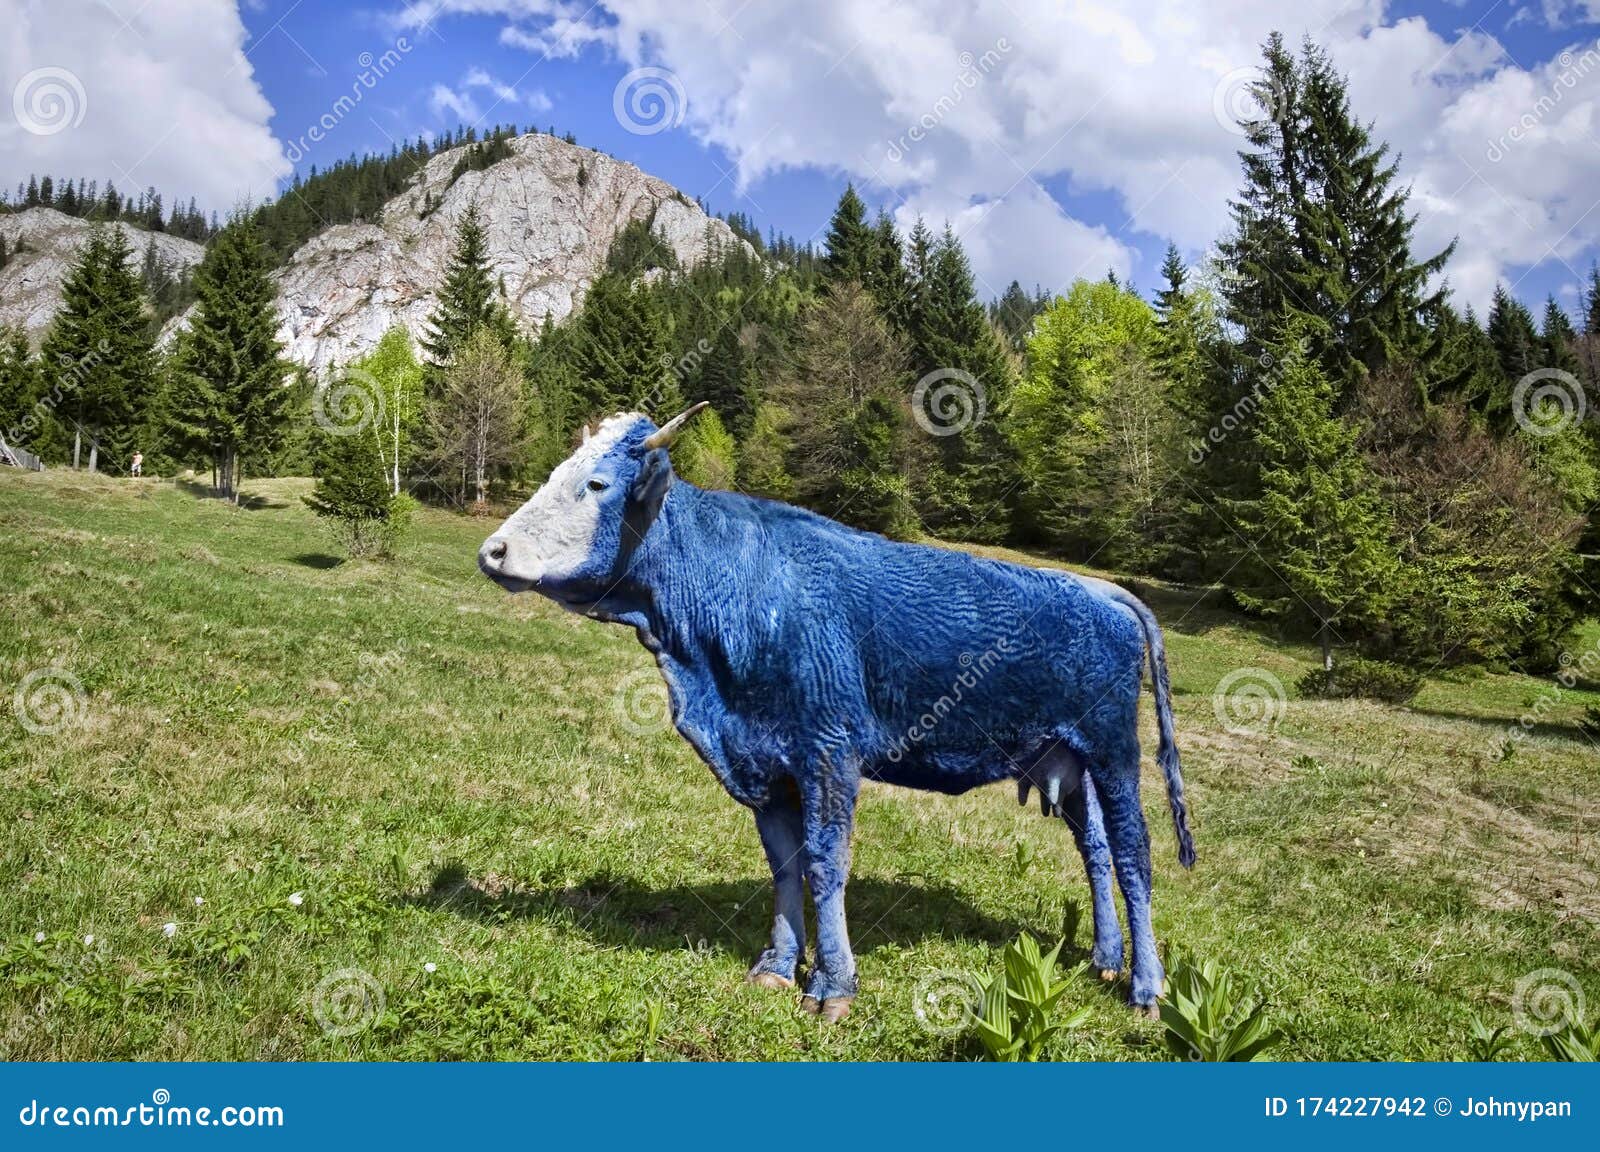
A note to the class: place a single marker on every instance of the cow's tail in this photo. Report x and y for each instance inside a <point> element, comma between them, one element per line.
<point>1167,753</point>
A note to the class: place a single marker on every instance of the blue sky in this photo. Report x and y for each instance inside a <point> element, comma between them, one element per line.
<point>1059,139</point>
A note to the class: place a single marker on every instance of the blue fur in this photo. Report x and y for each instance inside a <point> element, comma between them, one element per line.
<point>802,657</point>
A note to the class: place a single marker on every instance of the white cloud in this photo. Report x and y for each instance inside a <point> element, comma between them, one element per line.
<point>158,93</point>
<point>1118,99</point>
<point>460,104</point>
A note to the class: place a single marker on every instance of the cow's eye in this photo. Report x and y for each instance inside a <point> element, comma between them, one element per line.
<point>597,485</point>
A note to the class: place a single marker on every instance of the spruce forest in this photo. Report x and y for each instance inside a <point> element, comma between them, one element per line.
<point>1306,421</point>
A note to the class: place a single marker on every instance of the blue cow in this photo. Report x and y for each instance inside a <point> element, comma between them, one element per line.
<point>802,657</point>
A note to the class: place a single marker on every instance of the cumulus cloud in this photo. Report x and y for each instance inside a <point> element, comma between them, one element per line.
<point>144,94</point>
<point>969,110</point>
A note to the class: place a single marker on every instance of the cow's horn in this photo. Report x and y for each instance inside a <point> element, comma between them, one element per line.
<point>663,436</point>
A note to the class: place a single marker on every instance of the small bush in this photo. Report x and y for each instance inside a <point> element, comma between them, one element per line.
<point>1485,1044</point>
<point>1014,1013</point>
<point>1576,1043</point>
<point>1210,1016</point>
<point>1590,724</point>
<point>353,497</point>
<point>1355,677</point>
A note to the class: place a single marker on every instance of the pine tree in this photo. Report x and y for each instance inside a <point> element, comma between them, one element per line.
<point>353,494</point>
<point>1517,349</point>
<point>850,243</point>
<point>1558,340</point>
<point>230,397</point>
<point>1320,556</point>
<point>1321,228</point>
<point>26,421</point>
<point>98,352</point>
<point>622,351</point>
<point>468,297</point>
<point>1013,313</point>
<point>963,381</point>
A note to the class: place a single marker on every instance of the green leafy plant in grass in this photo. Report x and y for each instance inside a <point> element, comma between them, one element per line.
<point>1590,724</point>
<point>1576,1043</point>
<point>1485,1044</point>
<point>1212,1016</point>
<point>1014,1018</point>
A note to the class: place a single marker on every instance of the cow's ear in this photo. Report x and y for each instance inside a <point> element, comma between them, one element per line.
<point>655,474</point>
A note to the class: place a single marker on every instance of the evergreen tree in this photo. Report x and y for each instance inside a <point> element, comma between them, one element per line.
<point>1321,228</point>
<point>845,422</point>
<point>25,420</point>
<point>622,351</point>
<point>707,456</point>
<point>229,398</point>
<point>1558,340</point>
<point>963,381</point>
<point>1517,348</point>
<point>469,298</point>
<point>850,242</point>
<point>1320,556</point>
<point>1014,312</point>
<point>98,353</point>
<point>353,494</point>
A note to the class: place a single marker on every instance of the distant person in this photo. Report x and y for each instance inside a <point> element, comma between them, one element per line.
<point>136,466</point>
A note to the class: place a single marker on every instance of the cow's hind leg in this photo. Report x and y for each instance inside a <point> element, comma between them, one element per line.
<point>1081,808</point>
<point>1066,791</point>
<point>829,801</point>
<point>1116,782</point>
<point>783,840</point>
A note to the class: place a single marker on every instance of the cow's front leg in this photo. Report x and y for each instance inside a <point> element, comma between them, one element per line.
<point>829,816</point>
<point>783,840</point>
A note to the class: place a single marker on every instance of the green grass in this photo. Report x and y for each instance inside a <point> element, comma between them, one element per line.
<point>454,777</point>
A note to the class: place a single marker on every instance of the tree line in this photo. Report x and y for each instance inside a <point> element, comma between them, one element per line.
<point>1305,421</point>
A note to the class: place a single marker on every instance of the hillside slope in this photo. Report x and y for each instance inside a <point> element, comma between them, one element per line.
<point>30,282</point>
<point>488,819</point>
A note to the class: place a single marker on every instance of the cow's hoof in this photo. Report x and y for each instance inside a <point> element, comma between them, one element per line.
<point>1147,1011</point>
<point>832,1010</point>
<point>1109,974</point>
<point>769,980</point>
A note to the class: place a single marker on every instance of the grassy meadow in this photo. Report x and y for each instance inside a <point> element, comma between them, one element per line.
<point>262,804</point>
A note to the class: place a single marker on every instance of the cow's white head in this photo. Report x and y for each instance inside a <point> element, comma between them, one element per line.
<point>571,540</point>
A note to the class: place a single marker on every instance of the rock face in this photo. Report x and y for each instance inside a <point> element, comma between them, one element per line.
<point>549,213</point>
<point>30,283</point>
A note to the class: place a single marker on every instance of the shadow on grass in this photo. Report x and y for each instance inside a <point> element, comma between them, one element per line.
<point>206,492</point>
<point>318,560</point>
<point>622,911</point>
<point>1500,730</point>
